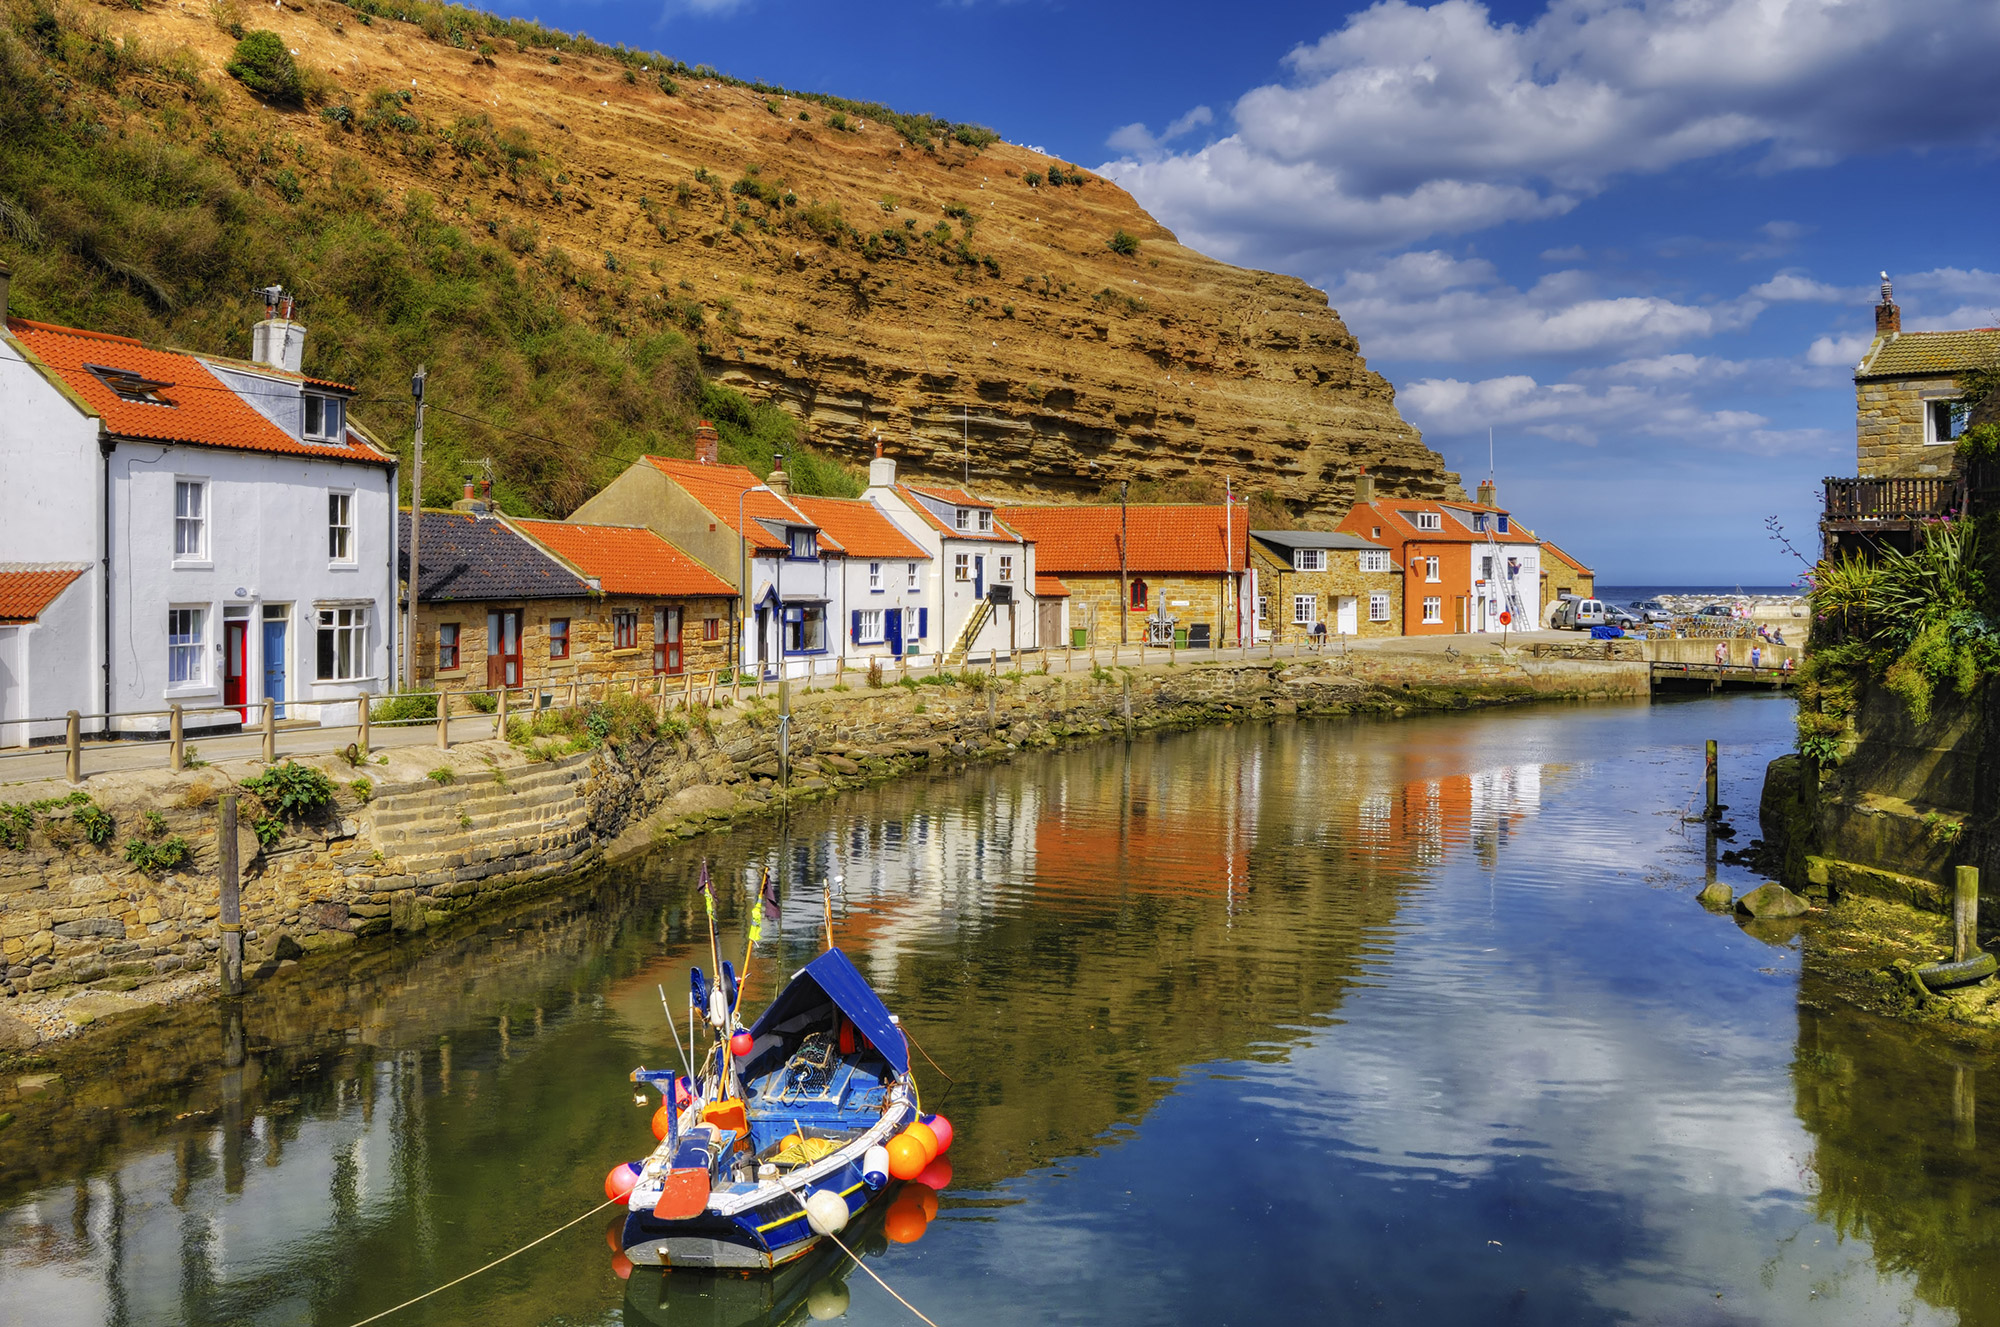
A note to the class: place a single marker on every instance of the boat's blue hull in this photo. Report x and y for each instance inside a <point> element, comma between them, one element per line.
<point>758,1238</point>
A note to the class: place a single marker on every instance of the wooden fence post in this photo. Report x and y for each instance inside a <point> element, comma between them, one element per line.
<point>270,731</point>
<point>444,719</point>
<point>362,743</point>
<point>176,739</point>
<point>230,922</point>
<point>1965,914</point>
<point>500,715</point>
<point>73,748</point>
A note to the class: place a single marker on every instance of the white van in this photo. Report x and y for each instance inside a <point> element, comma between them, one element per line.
<point>1578,615</point>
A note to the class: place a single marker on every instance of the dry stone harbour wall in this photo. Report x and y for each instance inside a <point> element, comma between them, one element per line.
<point>84,930</point>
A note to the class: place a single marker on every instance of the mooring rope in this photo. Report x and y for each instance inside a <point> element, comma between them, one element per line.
<point>855,1256</point>
<point>504,1257</point>
<point>927,1055</point>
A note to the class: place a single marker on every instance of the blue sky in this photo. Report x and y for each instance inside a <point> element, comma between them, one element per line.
<point>1638,240</point>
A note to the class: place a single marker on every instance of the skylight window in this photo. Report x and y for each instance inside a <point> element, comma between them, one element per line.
<point>131,386</point>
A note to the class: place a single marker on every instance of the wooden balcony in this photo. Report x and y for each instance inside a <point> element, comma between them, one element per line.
<point>1891,504</point>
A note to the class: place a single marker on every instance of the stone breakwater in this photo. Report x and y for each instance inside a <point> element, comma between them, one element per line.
<point>428,837</point>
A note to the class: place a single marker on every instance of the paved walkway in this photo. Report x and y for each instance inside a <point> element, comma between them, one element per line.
<point>43,763</point>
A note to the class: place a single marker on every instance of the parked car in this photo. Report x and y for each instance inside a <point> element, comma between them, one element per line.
<point>1716,610</point>
<point>1652,610</point>
<point>1618,617</point>
<point>1578,615</point>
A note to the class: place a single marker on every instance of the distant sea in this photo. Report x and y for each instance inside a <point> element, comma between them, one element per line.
<point>1626,594</point>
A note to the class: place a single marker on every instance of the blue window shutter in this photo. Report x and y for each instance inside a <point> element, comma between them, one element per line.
<point>854,631</point>
<point>923,623</point>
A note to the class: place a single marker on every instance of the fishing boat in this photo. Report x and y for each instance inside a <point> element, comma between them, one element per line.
<point>785,1131</point>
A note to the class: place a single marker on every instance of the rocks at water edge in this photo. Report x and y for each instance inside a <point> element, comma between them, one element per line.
<point>1716,897</point>
<point>1772,901</point>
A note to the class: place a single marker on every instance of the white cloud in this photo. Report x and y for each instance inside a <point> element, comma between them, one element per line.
<point>1576,413</point>
<point>1136,140</point>
<point>1429,305</point>
<point>1794,286</point>
<point>1837,352</point>
<point>1409,121</point>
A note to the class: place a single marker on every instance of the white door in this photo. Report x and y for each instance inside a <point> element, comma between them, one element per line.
<point>1347,616</point>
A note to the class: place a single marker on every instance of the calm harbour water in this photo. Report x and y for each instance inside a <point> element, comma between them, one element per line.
<point>1399,1022</point>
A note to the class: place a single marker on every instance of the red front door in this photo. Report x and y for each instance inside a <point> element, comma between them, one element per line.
<point>503,648</point>
<point>667,640</point>
<point>235,667</point>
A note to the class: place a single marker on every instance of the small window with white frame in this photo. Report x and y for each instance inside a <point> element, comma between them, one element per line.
<point>962,518</point>
<point>1375,559</point>
<point>985,522</point>
<point>343,644</point>
<point>1431,570</point>
<point>1433,610</point>
<point>1006,566</point>
<point>1378,607</point>
<point>325,418</point>
<point>1429,520</point>
<point>868,626</point>
<point>190,520</point>
<point>874,578</point>
<point>1944,422</point>
<point>340,527</point>
<point>1305,609</point>
<point>961,566</point>
<point>1263,608</point>
<point>910,571</point>
<point>1308,559</point>
<point>187,652</point>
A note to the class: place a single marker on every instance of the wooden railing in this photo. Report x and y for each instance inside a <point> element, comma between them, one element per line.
<point>1917,498</point>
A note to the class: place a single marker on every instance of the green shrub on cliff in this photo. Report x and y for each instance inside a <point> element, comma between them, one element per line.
<point>262,64</point>
<point>291,791</point>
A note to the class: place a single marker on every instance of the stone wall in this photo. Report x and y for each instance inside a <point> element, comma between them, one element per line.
<point>435,835</point>
<point>1889,427</point>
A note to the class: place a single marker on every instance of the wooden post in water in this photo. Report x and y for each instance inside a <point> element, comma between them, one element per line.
<point>1711,812</point>
<point>1125,699</point>
<point>230,921</point>
<point>176,739</point>
<point>784,728</point>
<point>73,748</point>
<point>1965,914</point>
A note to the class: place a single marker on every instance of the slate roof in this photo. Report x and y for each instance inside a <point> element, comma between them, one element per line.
<point>957,497</point>
<point>466,559</point>
<point>861,528</point>
<point>194,406</point>
<point>1930,354</point>
<point>627,559</point>
<point>27,588</point>
<point>719,488</point>
<point>1164,538</point>
<point>1312,539</point>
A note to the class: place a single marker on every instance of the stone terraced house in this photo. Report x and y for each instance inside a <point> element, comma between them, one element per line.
<point>1185,570</point>
<point>1309,576</point>
<point>1908,411</point>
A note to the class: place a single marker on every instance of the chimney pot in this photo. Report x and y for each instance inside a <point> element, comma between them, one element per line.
<point>1487,494</point>
<point>1888,318</point>
<point>278,341</point>
<point>779,482</point>
<point>707,446</point>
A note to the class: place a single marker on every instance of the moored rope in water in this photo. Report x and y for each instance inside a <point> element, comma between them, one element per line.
<point>505,1256</point>
<point>926,1054</point>
<point>851,1254</point>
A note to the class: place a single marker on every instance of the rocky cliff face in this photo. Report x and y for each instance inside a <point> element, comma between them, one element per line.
<point>947,299</point>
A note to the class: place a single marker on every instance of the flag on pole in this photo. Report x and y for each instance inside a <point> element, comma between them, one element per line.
<point>707,893</point>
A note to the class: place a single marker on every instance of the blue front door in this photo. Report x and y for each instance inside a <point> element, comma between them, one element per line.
<point>892,630</point>
<point>274,664</point>
<point>979,578</point>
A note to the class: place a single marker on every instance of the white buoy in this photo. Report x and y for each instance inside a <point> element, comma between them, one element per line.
<point>875,1166</point>
<point>826,1212</point>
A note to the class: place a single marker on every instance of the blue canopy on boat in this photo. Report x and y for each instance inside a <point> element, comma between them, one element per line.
<point>832,977</point>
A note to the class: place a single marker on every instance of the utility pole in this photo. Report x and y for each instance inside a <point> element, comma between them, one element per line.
<point>1124,590</point>
<point>965,442</point>
<point>416,537</point>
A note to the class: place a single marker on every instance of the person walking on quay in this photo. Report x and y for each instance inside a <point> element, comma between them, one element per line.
<point>1721,653</point>
<point>1756,656</point>
<point>1319,635</point>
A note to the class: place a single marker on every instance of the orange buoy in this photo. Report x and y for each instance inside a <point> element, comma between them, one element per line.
<point>925,1139</point>
<point>905,1220</point>
<point>618,1184</point>
<point>621,1267</point>
<point>906,1157</point>
<point>937,1175</point>
<point>660,1119</point>
<point>788,1142</point>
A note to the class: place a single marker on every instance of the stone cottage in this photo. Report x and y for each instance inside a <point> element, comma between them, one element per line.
<point>1308,576</point>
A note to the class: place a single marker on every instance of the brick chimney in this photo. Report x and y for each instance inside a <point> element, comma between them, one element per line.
<point>778,481</point>
<point>707,447</point>
<point>1888,318</point>
<point>278,341</point>
<point>1364,487</point>
<point>1486,493</point>
<point>469,503</point>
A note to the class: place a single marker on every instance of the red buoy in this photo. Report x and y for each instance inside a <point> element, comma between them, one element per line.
<point>941,1127</point>
<point>740,1044</point>
<point>618,1184</point>
<point>937,1175</point>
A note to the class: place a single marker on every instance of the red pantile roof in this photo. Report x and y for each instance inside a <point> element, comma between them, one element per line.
<point>626,559</point>
<point>719,488</point>
<point>25,592</point>
<point>194,405</point>
<point>860,527</point>
<point>1048,587</point>
<point>1178,538</point>
<point>1388,513</point>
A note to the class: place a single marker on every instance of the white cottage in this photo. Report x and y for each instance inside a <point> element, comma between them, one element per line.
<point>883,575</point>
<point>233,530</point>
<point>980,591</point>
